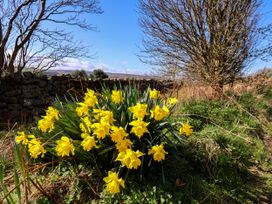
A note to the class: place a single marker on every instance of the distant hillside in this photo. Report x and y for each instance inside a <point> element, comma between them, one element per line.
<point>111,75</point>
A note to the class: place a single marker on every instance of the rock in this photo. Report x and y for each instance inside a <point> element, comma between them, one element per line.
<point>11,100</point>
<point>13,92</point>
<point>27,102</point>
<point>42,83</point>
<point>3,105</point>
<point>14,107</point>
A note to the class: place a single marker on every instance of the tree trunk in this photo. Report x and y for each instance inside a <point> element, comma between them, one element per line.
<point>219,89</point>
<point>10,70</point>
<point>2,60</point>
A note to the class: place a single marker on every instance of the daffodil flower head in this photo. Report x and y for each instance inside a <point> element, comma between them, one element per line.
<point>52,112</point>
<point>154,94</point>
<point>64,147</point>
<point>130,158</point>
<point>172,101</point>
<point>90,98</point>
<point>139,127</point>
<point>107,116</point>
<point>101,130</point>
<point>21,138</point>
<point>139,111</point>
<point>84,135</point>
<point>123,145</point>
<point>116,96</point>
<point>35,148</point>
<point>158,152</point>
<point>160,113</point>
<point>113,183</point>
<point>82,110</point>
<point>103,115</point>
<point>186,128</point>
<point>46,124</point>
<point>88,143</point>
<point>117,133</point>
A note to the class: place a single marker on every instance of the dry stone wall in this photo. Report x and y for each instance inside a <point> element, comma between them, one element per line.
<point>23,99</point>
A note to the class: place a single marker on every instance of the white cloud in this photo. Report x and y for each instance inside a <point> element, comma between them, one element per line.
<point>124,62</point>
<point>77,64</point>
<point>103,66</point>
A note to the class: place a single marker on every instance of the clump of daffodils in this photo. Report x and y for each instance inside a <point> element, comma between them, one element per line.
<point>125,125</point>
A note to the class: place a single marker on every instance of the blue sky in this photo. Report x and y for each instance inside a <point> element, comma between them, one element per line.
<point>117,41</point>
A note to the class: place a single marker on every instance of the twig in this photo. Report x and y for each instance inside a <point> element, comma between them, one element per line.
<point>39,187</point>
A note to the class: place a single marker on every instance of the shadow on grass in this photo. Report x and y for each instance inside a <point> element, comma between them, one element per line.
<point>190,177</point>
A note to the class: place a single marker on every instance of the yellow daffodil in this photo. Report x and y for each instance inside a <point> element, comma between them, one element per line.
<point>117,134</point>
<point>101,129</point>
<point>90,98</point>
<point>84,135</point>
<point>154,94</point>
<point>46,124</point>
<point>139,111</point>
<point>186,128</point>
<point>35,148</point>
<point>88,143</point>
<point>107,116</point>
<point>123,145</point>
<point>160,113</point>
<point>21,138</point>
<point>113,183</point>
<point>172,101</point>
<point>64,147</point>
<point>85,125</point>
<point>130,158</point>
<point>52,112</point>
<point>82,110</point>
<point>116,96</point>
<point>139,127</point>
<point>158,152</point>
<point>103,115</point>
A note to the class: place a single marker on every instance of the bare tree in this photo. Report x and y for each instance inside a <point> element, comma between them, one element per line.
<point>28,37</point>
<point>210,40</point>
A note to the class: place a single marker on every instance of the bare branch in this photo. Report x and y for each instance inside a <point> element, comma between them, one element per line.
<point>25,41</point>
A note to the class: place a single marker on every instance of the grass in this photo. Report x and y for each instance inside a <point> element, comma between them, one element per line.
<point>227,160</point>
<point>230,151</point>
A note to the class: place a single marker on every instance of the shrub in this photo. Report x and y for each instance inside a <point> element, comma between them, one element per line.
<point>80,74</point>
<point>99,74</point>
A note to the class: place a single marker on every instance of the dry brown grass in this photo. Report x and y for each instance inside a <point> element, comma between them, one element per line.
<point>193,91</point>
<point>6,147</point>
<point>7,144</point>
